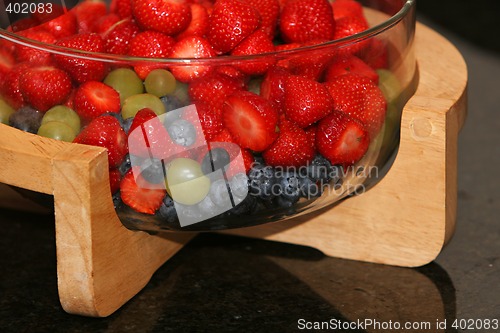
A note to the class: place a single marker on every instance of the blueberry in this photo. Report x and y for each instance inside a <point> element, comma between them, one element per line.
<point>125,166</point>
<point>319,169</point>
<point>262,181</point>
<point>153,171</point>
<point>283,202</point>
<point>124,123</point>
<point>245,207</point>
<point>171,102</point>
<point>26,119</point>
<point>167,210</point>
<point>215,159</point>
<point>182,132</point>
<point>117,200</point>
<point>290,186</point>
<point>207,207</point>
<point>239,186</point>
<point>308,188</point>
<point>219,193</point>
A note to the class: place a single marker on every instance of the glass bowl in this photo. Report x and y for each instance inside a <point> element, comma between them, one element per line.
<point>185,171</point>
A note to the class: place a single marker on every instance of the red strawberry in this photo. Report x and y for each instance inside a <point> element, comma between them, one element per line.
<point>30,54</point>
<point>342,8</point>
<point>10,86</point>
<point>105,131</point>
<point>359,97</point>
<point>167,16</point>
<point>272,87</point>
<point>269,11</point>
<point>375,54</point>
<point>213,89</point>
<point>118,37</point>
<point>231,21</point>
<point>70,100</point>
<point>306,101</point>
<point>87,12</point>
<point>82,70</point>
<point>61,26</point>
<point>93,99</point>
<point>44,87</point>
<point>104,23</point>
<point>23,24</point>
<point>348,26</point>
<point>150,44</point>
<point>342,139</point>
<point>115,178</point>
<point>140,195</point>
<point>7,62</point>
<point>191,47</point>
<point>123,8</point>
<point>251,120</point>
<point>292,147</point>
<point>350,64</point>
<point>311,64</point>
<point>232,72</point>
<point>199,22</point>
<point>257,43</point>
<point>210,120</point>
<point>307,20</point>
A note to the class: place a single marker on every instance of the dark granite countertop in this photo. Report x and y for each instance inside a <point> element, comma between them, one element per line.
<point>223,283</point>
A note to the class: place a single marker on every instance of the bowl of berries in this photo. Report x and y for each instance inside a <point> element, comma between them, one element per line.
<point>215,114</point>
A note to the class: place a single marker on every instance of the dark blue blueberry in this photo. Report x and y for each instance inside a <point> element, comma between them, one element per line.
<point>289,182</point>
<point>124,123</point>
<point>182,132</point>
<point>262,181</point>
<point>125,166</point>
<point>245,207</point>
<point>117,200</point>
<point>308,188</point>
<point>319,169</point>
<point>152,170</point>
<point>167,210</point>
<point>26,119</point>
<point>215,159</point>
<point>171,102</point>
<point>283,202</point>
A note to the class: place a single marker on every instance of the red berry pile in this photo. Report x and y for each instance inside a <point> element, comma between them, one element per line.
<point>281,109</point>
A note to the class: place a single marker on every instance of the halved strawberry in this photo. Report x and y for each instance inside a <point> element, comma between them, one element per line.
<point>44,87</point>
<point>82,70</point>
<point>342,139</point>
<point>213,89</point>
<point>93,99</point>
<point>251,120</point>
<point>307,20</point>
<point>350,64</point>
<point>167,16</point>
<point>292,147</point>
<point>105,131</point>
<point>306,101</point>
<point>199,22</point>
<point>231,21</point>
<point>118,37</point>
<point>150,44</point>
<point>140,195</point>
<point>257,43</point>
<point>191,47</point>
<point>32,55</point>
<point>86,13</point>
<point>272,87</point>
<point>269,11</point>
<point>362,99</point>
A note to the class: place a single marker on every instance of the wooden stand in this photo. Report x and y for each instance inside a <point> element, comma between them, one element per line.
<point>405,220</point>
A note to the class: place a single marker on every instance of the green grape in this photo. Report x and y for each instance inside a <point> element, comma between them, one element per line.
<point>5,111</point>
<point>57,130</point>
<point>389,84</point>
<point>138,102</point>
<point>254,85</point>
<point>160,82</point>
<point>63,114</point>
<point>181,92</point>
<point>126,82</point>
<point>186,182</point>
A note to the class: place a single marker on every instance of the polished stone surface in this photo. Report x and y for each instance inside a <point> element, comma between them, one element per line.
<point>222,283</point>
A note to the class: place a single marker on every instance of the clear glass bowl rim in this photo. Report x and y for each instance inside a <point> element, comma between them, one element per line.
<point>221,60</point>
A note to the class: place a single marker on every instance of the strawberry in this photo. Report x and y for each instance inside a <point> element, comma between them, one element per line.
<point>199,22</point>
<point>23,24</point>
<point>306,101</point>
<point>30,54</point>
<point>82,70</point>
<point>140,195</point>
<point>343,8</point>
<point>105,131</point>
<point>272,87</point>
<point>123,8</point>
<point>7,62</point>
<point>292,147</point>
<point>257,43</point>
<point>251,120</point>
<point>10,86</point>
<point>44,87</point>
<point>104,23</point>
<point>311,64</point>
<point>86,13</point>
<point>375,54</point>
<point>350,64</point>
<point>191,47</point>
<point>148,137</point>
<point>167,16</point>
<point>269,11</point>
<point>342,139</point>
<point>150,44</point>
<point>348,26</point>
<point>231,21</point>
<point>232,72</point>
<point>362,99</point>
<point>93,99</point>
<point>210,120</point>
<point>213,89</point>
<point>115,178</point>
<point>61,26</point>
<point>118,37</point>
<point>307,20</point>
